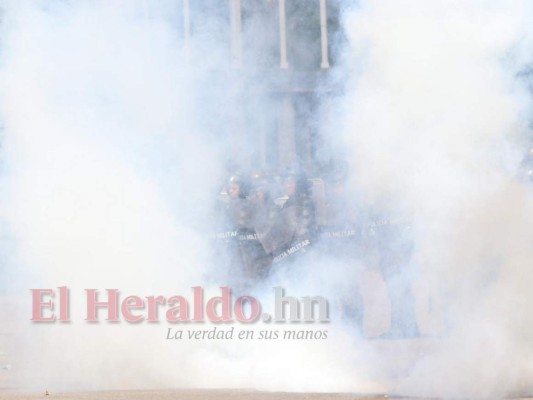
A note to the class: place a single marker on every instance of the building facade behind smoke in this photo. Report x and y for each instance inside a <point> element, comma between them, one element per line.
<point>279,57</point>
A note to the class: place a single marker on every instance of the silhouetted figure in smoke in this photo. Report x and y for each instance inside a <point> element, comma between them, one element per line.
<point>297,226</point>
<point>390,244</point>
<point>339,238</point>
<point>265,223</point>
<point>234,221</point>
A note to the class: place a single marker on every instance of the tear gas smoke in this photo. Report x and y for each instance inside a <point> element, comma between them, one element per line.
<point>437,120</point>
<point>115,135</point>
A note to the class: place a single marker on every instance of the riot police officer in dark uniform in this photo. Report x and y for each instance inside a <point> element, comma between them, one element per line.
<point>234,219</point>
<point>297,229</point>
<point>265,220</point>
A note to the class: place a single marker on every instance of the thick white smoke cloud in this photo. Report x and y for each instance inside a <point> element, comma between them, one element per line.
<point>114,142</point>
<point>115,137</point>
<point>93,124</point>
<point>434,116</point>
<point>104,150</point>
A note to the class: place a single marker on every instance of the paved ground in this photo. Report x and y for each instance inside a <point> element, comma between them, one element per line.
<point>199,395</point>
<point>188,395</point>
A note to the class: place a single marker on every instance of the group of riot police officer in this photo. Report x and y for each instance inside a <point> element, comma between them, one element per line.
<point>261,223</point>
<point>267,223</point>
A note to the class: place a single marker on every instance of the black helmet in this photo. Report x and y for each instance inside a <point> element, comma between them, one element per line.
<point>241,182</point>
<point>302,184</point>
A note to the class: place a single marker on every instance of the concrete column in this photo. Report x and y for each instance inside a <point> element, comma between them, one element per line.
<point>324,34</point>
<point>262,132</point>
<point>286,135</point>
<point>240,147</point>
<point>326,125</point>
<point>282,36</point>
<point>235,21</point>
